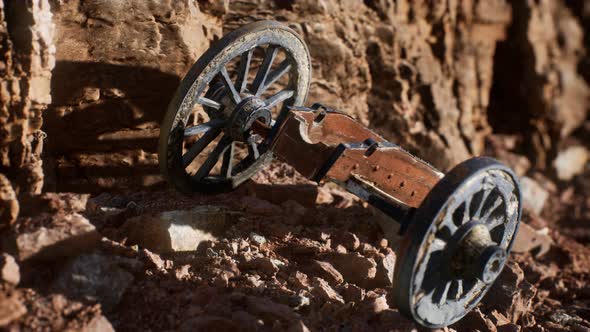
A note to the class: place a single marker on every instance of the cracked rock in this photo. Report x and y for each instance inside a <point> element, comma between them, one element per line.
<point>52,236</point>
<point>299,280</point>
<point>322,289</point>
<point>326,271</point>
<point>354,267</point>
<point>352,293</point>
<point>511,293</point>
<point>375,303</point>
<point>261,264</point>
<point>385,270</point>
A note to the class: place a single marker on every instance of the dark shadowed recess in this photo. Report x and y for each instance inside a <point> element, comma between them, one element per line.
<point>516,97</point>
<point>512,99</point>
<point>517,102</point>
<point>103,109</point>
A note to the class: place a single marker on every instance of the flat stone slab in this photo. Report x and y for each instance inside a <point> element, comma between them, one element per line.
<point>179,230</point>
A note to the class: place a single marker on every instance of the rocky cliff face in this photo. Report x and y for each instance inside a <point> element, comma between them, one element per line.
<point>540,76</point>
<point>85,83</point>
<point>26,61</point>
<point>118,64</point>
<point>434,78</point>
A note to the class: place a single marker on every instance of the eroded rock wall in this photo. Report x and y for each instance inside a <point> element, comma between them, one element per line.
<point>26,60</point>
<point>420,72</point>
<point>118,64</point>
<point>540,75</point>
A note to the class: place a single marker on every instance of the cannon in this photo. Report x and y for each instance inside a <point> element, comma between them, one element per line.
<point>243,104</point>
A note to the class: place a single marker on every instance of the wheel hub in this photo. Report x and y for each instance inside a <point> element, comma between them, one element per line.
<point>475,254</point>
<point>249,110</point>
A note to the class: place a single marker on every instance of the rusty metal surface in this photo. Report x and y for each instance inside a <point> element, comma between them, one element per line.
<point>335,143</point>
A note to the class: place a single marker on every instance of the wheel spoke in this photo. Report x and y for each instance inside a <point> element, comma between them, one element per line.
<point>437,244</point>
<point>486,194</point>
<point>441,293</point>
<point>495,223</point>
<point>199,145</point>
<point>203,127</point>
<point>235,96</point>
<point>468,285</point>
<point>253,150</point>
<point>425,299</point>
<point>459,289</point>
<point>269,56</point>
<point>278,97</point>
<point>242,165</point>
<point>213,157</point>
<point>448,223</point>
<point>276,74</point>
<point>208,102</point>
<point>492,208</point>
<point>227,164</point>
<point>242,80</point>
<point>466,216</point>
<point>433,268</point>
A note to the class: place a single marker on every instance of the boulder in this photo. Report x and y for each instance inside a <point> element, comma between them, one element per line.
<point>11,309</point>
<point>533,194</point>
<point>257,239</point>
<point>349,240</point>
<point>265,265</point>
<point>9,206</point>
<point>571,162</point>
<point>96,278</point>
<point>50,236</point>
<point>375,303</point>
<point>322,290</point>
<point>9,270</point>
<point>99,324</point>
<point>299,280</point>
<point>385,269</point>
<point>177,231</point>
<point>353,293</point>
<point>152,260</point>
<point>528,239</point>
<point>354,267</point>
<point>326,271</point>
